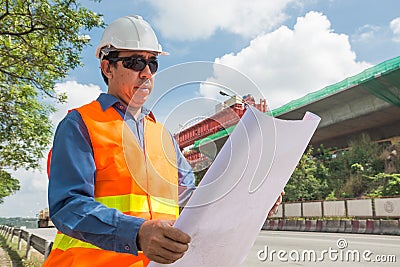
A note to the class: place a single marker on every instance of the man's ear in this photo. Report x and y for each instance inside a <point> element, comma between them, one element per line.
<point>106,68</point>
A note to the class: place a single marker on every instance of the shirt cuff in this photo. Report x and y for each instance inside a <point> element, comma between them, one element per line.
<point>126,234</point>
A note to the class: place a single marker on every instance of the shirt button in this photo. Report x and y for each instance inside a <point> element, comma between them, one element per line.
<point>127,248</point>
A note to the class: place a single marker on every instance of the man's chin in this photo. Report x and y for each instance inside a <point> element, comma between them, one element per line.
<point>136,104</point>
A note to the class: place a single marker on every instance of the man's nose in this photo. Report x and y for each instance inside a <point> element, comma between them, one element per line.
<point>146,73</point>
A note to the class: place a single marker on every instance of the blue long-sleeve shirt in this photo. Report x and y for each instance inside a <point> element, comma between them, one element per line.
<point>73,209</point>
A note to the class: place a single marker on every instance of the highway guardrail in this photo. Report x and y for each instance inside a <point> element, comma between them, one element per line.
<point>42,245</point>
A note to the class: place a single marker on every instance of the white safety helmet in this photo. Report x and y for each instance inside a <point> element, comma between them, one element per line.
<point>128,33</point>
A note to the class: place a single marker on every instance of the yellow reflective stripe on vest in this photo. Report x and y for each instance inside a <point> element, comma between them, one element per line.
<point>138,203</point>
<point>164,205</point>
<point>126,203</point>
<point>65,242</point>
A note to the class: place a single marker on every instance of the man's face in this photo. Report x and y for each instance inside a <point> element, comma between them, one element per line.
<point>129,86</point>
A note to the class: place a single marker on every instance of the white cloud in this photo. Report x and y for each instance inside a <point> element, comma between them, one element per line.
<point>395,27</point>
<point>287,64</point>
<point>192,19</point>
<point>78,95</point>
<point>32,197</point>
<point>366,33</point>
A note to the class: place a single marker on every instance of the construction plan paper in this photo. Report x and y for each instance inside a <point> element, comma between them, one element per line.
<point>227,210</point>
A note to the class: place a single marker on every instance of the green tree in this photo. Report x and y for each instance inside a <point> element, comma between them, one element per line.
<point>385,184</point>
<point>303,184</point>
<point>7,184</point>
<point>339,171</point>
<point>323,173</point>
<point>352,168</point>
<point>40,42</point>
<point>364,151</point>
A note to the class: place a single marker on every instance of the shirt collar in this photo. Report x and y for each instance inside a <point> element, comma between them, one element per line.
<point>106,101</point>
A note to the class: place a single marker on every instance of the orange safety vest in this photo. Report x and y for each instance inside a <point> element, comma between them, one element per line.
<point>141,183</point>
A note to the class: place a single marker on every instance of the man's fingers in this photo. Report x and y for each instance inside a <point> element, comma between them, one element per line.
<point>177,235</point>
<point>274,208</point>
<point>163,260</point>
<point>167,251</point>
<point>168,255</point>
<point>161,242</point>
<point>176,247</point>
<point>171,222</point>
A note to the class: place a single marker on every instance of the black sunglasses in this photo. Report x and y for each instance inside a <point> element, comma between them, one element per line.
<point>137,63</point>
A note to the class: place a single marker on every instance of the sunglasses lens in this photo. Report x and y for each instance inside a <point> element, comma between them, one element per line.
<point>139,64</point>
<point>153,65</point>
<point>136,64</point>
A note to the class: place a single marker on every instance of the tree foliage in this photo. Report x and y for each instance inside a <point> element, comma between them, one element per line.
<point>352,167</point>
<point>24,127</point>
<point>7,184</point>
<point>40,42</point>
<point>385,184</point>
<point>363,169</point>
<point>304,184</point>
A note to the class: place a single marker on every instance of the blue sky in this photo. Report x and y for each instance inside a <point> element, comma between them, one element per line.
<point>288,48</point>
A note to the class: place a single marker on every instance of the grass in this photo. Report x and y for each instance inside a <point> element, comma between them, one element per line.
<point>18,256</point>
<point>15,258</point>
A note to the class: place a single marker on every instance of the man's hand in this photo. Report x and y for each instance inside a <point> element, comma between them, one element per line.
<point>161,242</point>
<point>277,203</point>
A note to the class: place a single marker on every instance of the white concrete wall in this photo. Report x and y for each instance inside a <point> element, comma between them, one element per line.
<point>312,209</point>
<point>293,210</point>
<point>387,207</point>
<point>334,208</point>
<point>359,207</point>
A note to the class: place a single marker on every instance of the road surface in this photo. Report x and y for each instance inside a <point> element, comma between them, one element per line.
<point>286,248</point>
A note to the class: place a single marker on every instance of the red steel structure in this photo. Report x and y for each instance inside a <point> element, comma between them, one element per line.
<point>222,119</point>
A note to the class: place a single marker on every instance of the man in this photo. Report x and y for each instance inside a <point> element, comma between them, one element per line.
<point>113,187</point>
<point>89,179</point>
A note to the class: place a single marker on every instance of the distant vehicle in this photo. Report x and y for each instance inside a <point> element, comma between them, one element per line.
<point>44,220</point>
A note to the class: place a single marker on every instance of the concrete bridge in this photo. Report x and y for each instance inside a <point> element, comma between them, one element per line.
<point>368,102</point>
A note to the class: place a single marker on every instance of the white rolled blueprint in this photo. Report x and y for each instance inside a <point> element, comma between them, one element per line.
<point>227,210</point>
